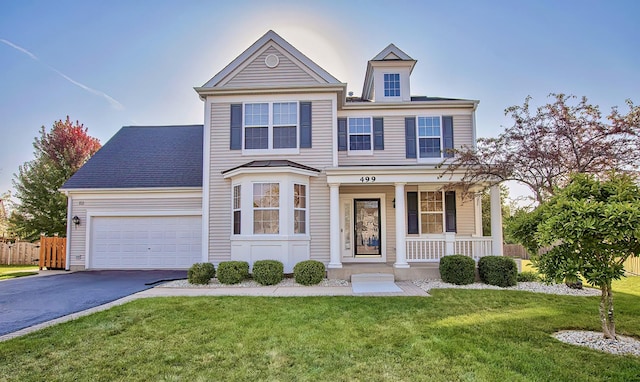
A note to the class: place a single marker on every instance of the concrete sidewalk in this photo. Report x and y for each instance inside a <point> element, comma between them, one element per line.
<point>408,289</point>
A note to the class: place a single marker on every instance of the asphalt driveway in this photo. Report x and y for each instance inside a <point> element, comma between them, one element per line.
<point>33,300</point>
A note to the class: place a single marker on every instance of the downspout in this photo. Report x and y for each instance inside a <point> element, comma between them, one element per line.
<point>68,254</point>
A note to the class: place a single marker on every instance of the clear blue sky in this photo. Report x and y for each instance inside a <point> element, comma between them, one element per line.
<point>116,63</point>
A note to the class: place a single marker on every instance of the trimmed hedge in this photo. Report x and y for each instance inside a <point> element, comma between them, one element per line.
<point>232,272</point>
<point>309,272</point>
<point>528,276</point>
<point>201,273</point>
<point>498,270</point>
<point>458,269</point>
<point>268,272</point>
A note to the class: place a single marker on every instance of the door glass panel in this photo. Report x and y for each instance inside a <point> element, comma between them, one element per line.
<point>367,227</point>
<point>347,226</point>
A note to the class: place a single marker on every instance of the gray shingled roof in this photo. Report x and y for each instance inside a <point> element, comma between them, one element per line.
<point>145,156</point>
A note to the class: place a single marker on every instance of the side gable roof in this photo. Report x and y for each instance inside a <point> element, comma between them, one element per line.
<point>270,36</point>
<point>144,157</point>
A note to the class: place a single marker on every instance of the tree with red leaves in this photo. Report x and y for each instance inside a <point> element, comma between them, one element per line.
<point>67,145</point>
<point>543,148</point>
<point>59,153</point>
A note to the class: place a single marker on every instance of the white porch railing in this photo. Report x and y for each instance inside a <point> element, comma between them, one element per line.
<point>432,250</point>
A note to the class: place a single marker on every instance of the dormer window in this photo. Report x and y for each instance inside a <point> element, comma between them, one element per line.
<point>392,85</point>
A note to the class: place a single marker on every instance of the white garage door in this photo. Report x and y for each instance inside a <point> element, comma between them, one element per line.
<point>145,242</point>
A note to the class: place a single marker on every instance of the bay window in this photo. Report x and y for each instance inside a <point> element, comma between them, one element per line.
<point>266,208</point>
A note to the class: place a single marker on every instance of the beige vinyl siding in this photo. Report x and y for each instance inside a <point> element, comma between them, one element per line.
<point>462,131</point>
<point>389,225</point>
<point>221,159</point>
<point>81,205</point>
<point>257,74</point>
<point>465,215</point>
<point>394,152</point>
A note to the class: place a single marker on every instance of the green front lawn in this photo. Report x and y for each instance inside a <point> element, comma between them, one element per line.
<point>13,271</point>
<point>456,335</point>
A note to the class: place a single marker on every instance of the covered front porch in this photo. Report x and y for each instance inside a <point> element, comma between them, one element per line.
<point>400,218</point>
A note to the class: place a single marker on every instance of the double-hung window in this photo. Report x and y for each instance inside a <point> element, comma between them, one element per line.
<point>266,208</point>
<point>299,208</point>
<point>270,125</point>
<point>429,137</point>
<point>392,85</point>
<point>360,134</point>
<point>431,212</point>
<point>237,209</point>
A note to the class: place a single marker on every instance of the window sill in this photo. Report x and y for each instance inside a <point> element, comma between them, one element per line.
<point>250,152</point>
<point>357,153</point>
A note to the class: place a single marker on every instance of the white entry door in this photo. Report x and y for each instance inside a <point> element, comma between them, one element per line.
<point>145,242</point>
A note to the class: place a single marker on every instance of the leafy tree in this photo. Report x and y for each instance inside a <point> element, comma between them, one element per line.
<point>486,208</point>
<point>58,155</point>
<point>5,205</point>
<point>544,147</point>
<point>592,227</point>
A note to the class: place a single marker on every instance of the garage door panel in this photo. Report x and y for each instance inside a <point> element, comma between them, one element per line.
<point>149,242</point>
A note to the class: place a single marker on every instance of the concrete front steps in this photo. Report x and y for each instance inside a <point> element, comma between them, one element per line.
<point>420,271</point>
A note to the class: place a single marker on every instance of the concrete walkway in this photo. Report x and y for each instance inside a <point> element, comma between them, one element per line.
<point>408,289</point>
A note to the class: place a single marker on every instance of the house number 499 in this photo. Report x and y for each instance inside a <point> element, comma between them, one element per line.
<point>368,179</point>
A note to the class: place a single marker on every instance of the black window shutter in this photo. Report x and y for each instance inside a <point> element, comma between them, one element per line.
<point>305,125</point>
<point>342,134</point>
<point>447,135</point>
<point>410,136</point>
<point>450,210</point>
<point>412,212</point>
<point>378,134</point>
<point>236,127</point>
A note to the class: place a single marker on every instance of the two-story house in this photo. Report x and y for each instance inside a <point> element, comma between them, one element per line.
<point>287,166</point>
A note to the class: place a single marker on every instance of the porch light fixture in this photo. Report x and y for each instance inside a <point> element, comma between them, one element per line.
<point>76,220</point>
<point>394,202</point>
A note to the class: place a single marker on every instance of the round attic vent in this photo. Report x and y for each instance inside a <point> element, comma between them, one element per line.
<point>271,61</point>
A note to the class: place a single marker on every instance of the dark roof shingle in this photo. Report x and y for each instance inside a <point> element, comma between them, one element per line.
<point>145,157</point>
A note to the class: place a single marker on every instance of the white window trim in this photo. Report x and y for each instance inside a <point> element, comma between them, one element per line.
<point>359,152</point>
<point>270,126</point>
<point>420,213</point>
<point>305,209</point>
<point>234,209</point>
<point>254,209</point>
<point>384,89</point>
<point>441,137</point>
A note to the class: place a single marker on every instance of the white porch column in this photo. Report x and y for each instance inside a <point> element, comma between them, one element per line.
<point>334,231</point>
<point>496,220</point>
<point>401,228</point>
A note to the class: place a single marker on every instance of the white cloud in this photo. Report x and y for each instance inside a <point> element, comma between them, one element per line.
<point>112,101</point>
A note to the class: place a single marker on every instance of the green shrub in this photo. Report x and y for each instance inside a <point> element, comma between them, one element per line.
<point>201,273</point>
<point>308,272</point>
<point>268,272</point>
<point>458,269</point>
<point>498,270</point>
<point>232,272</point>
<point>528,276</point>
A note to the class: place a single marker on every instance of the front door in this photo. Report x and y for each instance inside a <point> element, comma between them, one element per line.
<point>366,228</point>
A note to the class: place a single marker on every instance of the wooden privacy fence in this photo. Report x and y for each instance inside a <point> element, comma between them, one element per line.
<point>632,265</point>
<point>515,250</point>
<point>19,253</point>
<point>53,252</point>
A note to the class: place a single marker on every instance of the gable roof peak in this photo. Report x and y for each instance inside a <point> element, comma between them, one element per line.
<point>392,52</point>
<point>260,43</point>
